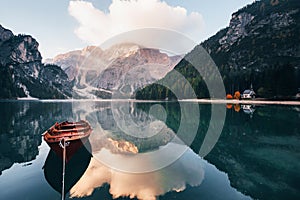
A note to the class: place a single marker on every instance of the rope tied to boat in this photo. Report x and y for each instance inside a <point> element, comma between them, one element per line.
<point>63,144</point>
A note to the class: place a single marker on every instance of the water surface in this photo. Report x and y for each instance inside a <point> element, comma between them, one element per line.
<point>255,157</point>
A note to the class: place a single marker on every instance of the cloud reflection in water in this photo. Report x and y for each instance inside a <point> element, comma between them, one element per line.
<point>188,169</point>
<point>141,167</point>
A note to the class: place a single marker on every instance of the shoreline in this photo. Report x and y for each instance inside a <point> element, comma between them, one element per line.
<point>214,101</point>
<point>234,101</point>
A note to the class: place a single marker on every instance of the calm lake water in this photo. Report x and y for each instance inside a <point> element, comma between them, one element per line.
<point>136,151</point>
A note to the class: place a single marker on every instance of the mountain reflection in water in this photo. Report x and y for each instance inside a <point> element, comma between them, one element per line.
<point>118,157</point>
<point>256,156</point>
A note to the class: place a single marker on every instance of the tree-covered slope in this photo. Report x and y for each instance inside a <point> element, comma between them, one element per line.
<point>260,47</point>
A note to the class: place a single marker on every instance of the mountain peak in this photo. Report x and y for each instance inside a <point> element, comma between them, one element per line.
<point>22,73</point>
<point>122,50</point>
<point>17,49</point>
<point>126,45</point>
<point>99,72</point>
<point>91,49</point>
<point>5,34</point>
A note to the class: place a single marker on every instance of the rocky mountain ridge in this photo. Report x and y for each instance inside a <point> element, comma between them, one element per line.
<point>71,61</point>
<point>22,73</point>
<point>122,67</point>
<point>260,47</point>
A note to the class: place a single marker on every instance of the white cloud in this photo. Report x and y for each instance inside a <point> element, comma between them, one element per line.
<point>96,26</point>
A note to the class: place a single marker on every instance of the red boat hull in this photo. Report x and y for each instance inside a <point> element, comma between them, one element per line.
<point>71,148</point>
<point>74,135</point>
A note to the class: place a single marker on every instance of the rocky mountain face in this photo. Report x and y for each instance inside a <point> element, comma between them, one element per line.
<point>72,61</point>
<point>22,72</point>
<point>122,67</point>
<point>260,47</point>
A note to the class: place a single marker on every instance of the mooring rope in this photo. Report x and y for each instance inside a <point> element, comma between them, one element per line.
<point>64,167</point>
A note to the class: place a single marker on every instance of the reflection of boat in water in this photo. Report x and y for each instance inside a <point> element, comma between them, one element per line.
<point>73,134</point>
<point>74,169</point>
<point>248,109</point>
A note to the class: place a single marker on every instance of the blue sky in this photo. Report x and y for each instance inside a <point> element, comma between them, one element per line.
<point>60,26</point>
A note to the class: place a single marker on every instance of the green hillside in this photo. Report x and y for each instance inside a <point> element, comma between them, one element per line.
<point>260,47</point>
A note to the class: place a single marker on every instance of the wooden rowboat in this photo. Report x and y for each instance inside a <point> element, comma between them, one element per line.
<point>69,135</point>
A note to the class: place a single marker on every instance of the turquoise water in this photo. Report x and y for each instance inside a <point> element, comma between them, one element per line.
<point>256,156</point>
